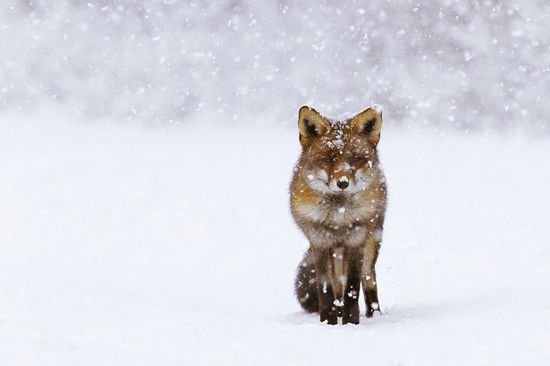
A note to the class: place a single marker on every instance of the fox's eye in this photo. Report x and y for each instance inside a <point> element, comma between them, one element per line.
<point>355,160</point>
<point>326,160</point>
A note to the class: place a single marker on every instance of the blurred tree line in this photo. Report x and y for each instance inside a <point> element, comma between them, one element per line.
<point>466,64</point>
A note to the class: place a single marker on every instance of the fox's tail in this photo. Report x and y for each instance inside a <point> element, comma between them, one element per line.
<point>305,285</point>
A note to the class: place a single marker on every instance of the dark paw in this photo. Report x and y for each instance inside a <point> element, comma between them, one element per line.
<point>351,318</point>
<point>350,313</point>
<point>331,316</point>
<point>371,308</point>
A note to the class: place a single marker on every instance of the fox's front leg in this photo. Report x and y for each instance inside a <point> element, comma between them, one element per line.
<point>354,262</point>
<point>327,309</point>
<point>370,288</point>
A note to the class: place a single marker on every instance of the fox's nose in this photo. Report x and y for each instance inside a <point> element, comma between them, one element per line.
<point>342,184</point>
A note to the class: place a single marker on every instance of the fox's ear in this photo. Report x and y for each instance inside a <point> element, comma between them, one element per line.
<point>311,125</point>
<point>368,123</point>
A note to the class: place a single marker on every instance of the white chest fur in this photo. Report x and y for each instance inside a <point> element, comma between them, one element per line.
<point>336,221</point>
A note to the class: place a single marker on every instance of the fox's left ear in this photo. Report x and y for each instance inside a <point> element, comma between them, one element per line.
<point>312,125</point>
<point>368,123</point>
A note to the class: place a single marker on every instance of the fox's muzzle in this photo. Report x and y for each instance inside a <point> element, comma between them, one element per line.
<point>342,178</point>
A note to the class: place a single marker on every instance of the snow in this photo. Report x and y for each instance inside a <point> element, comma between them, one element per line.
<point>337,142</point>
<point>136,246</point>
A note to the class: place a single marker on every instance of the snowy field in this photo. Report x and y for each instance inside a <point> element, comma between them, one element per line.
<point>175,246</point>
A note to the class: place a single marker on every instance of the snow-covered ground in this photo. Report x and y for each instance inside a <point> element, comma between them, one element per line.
<point>122,245</point>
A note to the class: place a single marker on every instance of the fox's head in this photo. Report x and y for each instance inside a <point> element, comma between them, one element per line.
<point>339,157</point>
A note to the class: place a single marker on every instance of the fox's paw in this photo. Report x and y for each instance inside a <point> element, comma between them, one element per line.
<point>371,308</point>
<point>350,314</point>
<point>330,315</point>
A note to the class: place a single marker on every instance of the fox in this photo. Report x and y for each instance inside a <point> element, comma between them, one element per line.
<point>338,199</point>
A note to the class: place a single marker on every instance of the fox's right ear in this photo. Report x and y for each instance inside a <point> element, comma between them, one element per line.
<point>368,123</point>
<point>311,125</point>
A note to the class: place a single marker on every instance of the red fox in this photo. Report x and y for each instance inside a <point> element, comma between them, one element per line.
<point>338,199</point>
